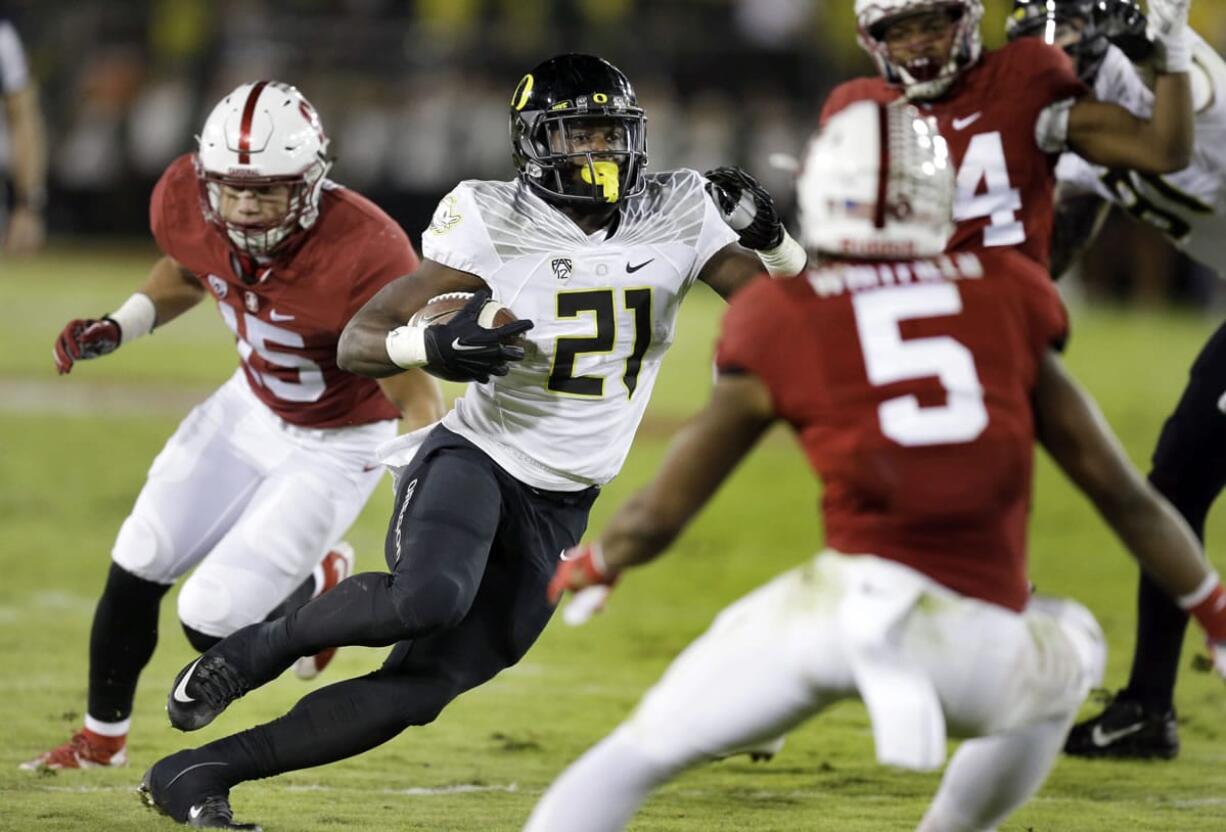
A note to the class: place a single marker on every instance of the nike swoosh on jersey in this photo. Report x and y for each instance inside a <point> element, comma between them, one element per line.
<point>963,123</point>
<point>195,812</point>
<point>277,316</point>
<point>632,269</point>
<point>180,693</point>
<point>1103,738</point>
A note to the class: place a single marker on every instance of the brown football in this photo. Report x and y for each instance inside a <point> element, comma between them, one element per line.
<point>442,308</point>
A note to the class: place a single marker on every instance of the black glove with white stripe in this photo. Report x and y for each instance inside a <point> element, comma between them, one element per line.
<point>746,206</point>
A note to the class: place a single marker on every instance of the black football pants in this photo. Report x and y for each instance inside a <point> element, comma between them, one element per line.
<point>1189,468</point>
<point>471,551</point>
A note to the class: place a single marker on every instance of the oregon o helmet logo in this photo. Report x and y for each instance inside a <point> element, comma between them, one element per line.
<point>600,98</point>
<point>520,97</point>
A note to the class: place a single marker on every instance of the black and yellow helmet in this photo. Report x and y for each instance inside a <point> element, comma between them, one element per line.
<point>559,97</point>
<point>1095,24</point>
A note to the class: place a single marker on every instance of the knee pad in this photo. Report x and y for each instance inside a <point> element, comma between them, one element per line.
<point>434,605</point>
<point>206,604</point>
<point>143,549</point>
<point>200,641</point>
<point>217,600</point>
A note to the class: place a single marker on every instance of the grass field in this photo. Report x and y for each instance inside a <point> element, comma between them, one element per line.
<point>73,454</point>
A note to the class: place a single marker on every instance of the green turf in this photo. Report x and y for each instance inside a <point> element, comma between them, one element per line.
<point>72,460</point>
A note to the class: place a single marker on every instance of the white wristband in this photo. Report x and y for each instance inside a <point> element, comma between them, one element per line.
<point>406,346</point>
<point>784,260</point>
<point>1196,596</point>
<point>136,317</point>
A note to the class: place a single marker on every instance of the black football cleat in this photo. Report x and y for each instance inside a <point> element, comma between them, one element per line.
<point>1125,730</point>
<point>184,791</point>
<point>202,690</point>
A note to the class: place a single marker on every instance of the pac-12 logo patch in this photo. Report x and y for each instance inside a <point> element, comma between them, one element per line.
<point>218,286</point>
<point>562,267</point>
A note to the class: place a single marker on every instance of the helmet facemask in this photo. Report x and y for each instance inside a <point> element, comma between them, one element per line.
<point>921,79</point>
<point>560,161</point>
<point>264,238</point>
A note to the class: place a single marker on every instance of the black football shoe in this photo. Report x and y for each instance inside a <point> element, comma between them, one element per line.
<point>1125,730</point>
<point>188,790</point>
<point>202,690</point>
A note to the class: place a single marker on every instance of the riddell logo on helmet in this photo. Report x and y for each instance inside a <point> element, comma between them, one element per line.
<point>242,172</point>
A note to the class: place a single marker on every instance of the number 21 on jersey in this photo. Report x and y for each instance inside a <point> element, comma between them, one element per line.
<point>599,305</point>
<point>984,165</point>
<point>889,358</point>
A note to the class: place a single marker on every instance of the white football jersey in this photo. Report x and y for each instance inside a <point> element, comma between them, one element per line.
<point>604,308</point>
<point>1189,206</point>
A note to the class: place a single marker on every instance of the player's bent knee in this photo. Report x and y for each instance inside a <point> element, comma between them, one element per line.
<point>143,549</point>
<point>198,640</point>
<point>1083,641</point>
<point>206,606</point>
<point>431,606</point>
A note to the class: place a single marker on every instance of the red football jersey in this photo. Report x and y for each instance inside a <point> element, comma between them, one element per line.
<point>909,386</point>
<point>1005,181</point>
<point>288,320</point>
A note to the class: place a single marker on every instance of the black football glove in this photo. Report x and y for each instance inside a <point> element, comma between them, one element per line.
<point>463,350</point>
<point>746,206</point>
<point>83,339</point>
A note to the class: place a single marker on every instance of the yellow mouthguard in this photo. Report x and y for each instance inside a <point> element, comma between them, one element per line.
<point>606,178</point>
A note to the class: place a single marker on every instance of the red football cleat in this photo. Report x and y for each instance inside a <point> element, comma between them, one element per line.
<point>336,566</point>
<point>85,750</point>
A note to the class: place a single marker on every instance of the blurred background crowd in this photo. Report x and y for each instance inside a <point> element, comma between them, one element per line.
<point>414,94</point>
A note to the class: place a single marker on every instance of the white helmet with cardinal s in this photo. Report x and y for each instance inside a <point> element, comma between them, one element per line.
<point>263,134</point>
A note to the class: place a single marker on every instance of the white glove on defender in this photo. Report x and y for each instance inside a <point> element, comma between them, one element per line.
<point>1167,26</point>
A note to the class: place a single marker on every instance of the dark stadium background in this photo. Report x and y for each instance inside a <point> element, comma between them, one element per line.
<point>413,94</point>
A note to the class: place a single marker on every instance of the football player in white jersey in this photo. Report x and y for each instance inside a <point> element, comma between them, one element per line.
<point>593,255</point>
<point>1189,207</point>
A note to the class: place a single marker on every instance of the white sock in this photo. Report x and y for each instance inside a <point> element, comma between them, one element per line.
<point>601,791</point>
<point>990,777</point>
<point>108,729</point>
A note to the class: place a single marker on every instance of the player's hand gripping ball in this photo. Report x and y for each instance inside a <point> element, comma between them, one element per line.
<point>469,336</point>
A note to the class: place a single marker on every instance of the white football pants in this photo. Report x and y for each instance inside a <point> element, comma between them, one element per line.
<point>253,501</point>
<point>927,661</point>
